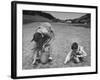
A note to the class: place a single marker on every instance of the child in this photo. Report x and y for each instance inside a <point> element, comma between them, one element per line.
<point>77,54</point>
<point>41,37</point>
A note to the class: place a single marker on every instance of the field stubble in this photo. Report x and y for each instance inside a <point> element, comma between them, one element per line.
<point>64,36</point>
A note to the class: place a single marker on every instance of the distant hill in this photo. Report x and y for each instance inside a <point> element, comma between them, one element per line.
<point>37,16</point>
<point>83,19</point>
<point>40,16</point>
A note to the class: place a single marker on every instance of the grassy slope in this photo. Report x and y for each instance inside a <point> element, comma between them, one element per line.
<point>65,35</point>
<point>35,18</point>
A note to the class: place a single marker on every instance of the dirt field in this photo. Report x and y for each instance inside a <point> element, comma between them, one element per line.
<point>65,35</point>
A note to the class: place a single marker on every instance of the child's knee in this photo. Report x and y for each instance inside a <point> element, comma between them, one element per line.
<point>76,60</point>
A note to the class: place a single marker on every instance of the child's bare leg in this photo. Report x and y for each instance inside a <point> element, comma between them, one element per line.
<point>34,59</point>
<point>35,56</point>
<point>50,53</point>
<point>76,60</point>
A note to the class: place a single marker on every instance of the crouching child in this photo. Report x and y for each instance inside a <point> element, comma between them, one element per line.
<point>43,37</point>
<point>76,55</point>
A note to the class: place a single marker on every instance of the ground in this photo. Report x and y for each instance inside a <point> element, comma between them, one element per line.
<point>65,34</point>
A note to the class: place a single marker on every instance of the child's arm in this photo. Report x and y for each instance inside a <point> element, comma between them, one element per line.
<point>52,36</point>
<point>68,57</point>
<point>83,53</point>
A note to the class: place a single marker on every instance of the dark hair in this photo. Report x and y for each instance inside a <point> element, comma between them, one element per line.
<point>74,46</point>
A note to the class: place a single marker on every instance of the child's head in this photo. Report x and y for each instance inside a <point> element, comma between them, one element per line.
<point>74,46</point>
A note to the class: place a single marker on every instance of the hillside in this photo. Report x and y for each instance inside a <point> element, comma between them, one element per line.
<point>83,19</point>
<point>37,16</point>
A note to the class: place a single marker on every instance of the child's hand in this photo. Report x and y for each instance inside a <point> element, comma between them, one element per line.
<point>79,56</point>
